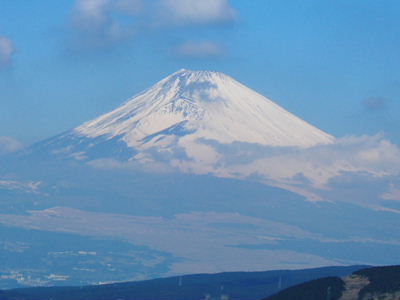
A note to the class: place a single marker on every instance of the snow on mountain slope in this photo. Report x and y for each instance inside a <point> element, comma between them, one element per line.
<point>198,122</point>
<point>188,106</point>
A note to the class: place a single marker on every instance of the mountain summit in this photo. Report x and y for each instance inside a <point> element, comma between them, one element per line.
<point>180,116</point>
<point>202,105</point>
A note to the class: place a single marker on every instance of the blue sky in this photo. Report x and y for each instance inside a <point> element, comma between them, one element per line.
<point>333,63</point>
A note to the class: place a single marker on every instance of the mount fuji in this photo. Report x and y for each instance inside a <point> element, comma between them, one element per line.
<point>180,112</point>
<point>196,174</point>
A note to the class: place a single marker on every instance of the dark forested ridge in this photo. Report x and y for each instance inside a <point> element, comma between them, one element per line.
<point>330,288</point>
<point>230,285</point>
<point>381,280</point>
<point>375,283</point>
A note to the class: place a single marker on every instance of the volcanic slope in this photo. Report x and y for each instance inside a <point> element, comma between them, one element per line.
<point>186,108</point>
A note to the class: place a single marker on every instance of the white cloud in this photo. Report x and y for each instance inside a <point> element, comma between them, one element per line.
<point>366,165</point>
<point>8,145</point>
<point>353,169</point>
<point>198,12</point>
<point>102,23</point>
<point>91,11</point>
<point>97,13</point>
<point>369,154</point>
<point>95,26</point>
<point>314,166</point>
<point>199,49</point>
<point>7,49</point>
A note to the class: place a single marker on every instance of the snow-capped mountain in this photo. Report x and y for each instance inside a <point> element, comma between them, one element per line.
<point>182,110</point>
<point>202,104</point>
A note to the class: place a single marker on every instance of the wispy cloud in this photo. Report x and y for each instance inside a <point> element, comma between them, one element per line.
<point>93,25</point>
<point>192,49</point>
<point>7,49</point>
<point>202,12</point>
<point>97,24</point>
<point>8,145</point>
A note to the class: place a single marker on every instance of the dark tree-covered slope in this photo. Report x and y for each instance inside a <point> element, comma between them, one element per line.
<point>381,280</point>
<point>329,288</point>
